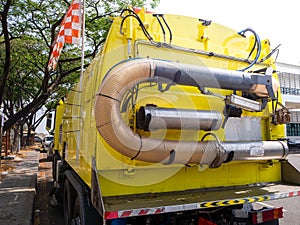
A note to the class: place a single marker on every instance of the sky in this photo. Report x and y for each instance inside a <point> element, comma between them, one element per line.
<point>42,126</point>
<point>278,21</point>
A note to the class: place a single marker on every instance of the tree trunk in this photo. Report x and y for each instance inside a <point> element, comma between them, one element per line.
<point>5,32</point>
<point>22,136</point>
<point>16,138</point>
<point>31,108</point>
<point>29,128</point>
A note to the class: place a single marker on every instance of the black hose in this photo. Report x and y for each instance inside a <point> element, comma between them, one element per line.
<point>168,27</point>
<point>140,23</point>
<point>271,53</point>
<point>257,42</point>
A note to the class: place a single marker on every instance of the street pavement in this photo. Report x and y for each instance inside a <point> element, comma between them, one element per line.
<point>18,187</point>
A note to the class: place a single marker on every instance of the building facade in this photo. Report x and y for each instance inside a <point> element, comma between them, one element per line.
<point>289,79</point>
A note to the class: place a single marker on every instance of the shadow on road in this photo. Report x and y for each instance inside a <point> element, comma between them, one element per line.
<point>44,214</point>
<point>44,160</point>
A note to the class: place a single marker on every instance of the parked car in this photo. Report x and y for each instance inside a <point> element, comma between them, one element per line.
<point>37,142</point>
<point>37,139</point>
<point>50,151</point>
<point>46,142</point>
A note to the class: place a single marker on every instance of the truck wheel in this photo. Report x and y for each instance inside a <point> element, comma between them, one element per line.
<point>69,196</point>
<point>76,219</point>
<point>54,161</point>
<point>76,207</point>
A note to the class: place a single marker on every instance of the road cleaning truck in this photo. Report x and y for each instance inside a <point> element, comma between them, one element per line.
<point>178,120</point>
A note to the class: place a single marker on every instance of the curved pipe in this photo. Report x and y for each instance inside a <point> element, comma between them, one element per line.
<point>119,136</point>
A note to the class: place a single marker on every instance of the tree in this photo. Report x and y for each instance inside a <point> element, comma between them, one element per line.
<point>26,84</point>
<point>6,42</point>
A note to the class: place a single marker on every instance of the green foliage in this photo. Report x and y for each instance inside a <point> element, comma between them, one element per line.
<point>33,25</point>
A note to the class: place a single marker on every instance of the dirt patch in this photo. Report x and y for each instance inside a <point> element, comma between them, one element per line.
<point>5,169</point>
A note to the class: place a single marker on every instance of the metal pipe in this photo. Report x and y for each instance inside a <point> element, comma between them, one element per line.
<point>260,150</point>
<point>124,76</point>
<point>200,76</point>
<point>153,118</point>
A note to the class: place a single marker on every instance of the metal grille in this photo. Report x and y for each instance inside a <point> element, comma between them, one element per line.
<point>289,83</point>
<point>295,116</point>
<point>293,129</point>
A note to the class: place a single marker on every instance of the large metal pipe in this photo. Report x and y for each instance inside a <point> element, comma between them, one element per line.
<point>200,76</point>
<point>257,150</point>
<point>124,76</point>
<point>153,118</point>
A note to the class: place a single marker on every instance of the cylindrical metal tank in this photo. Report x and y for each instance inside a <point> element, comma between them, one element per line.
<point>153,118</point>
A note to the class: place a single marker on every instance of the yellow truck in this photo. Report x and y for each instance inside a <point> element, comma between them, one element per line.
<point>178,120</point>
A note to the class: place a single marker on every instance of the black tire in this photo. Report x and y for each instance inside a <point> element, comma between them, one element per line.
<point>69,197</point>
<point>50,154</point>
<point>76,207</point>
<point>77,217</point>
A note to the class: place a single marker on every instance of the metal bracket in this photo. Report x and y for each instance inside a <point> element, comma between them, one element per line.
<point>169,84</point>
<point>265,80</point>
<point>243,103</point>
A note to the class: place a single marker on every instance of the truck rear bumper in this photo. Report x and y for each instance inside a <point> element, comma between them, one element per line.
<point>129,206</point>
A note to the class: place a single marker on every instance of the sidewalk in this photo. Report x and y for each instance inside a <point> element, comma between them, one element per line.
<point>18,187</point>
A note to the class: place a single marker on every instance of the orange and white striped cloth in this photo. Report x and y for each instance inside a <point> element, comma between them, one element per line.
<point>69,32</point>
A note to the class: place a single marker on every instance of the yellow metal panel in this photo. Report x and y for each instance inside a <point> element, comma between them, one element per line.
<point>119,174</point>
<point>161,179</point>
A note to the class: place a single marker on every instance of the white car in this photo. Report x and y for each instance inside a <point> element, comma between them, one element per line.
<point>46,142</point>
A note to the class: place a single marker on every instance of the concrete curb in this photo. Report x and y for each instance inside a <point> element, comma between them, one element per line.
<point>18,190</point>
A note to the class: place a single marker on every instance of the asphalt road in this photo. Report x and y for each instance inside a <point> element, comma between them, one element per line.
<point>44,214</point>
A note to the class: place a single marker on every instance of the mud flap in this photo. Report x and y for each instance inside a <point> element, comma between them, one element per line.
<point>96,196</point>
